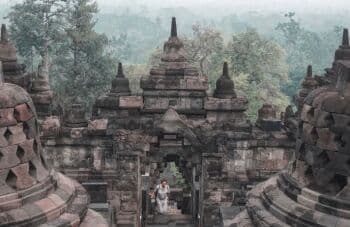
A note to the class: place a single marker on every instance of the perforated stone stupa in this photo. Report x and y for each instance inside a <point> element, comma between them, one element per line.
<point>31,193</point>
<point>314,191</point>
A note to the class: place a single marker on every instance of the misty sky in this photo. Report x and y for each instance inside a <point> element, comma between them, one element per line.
<point>228,6</point>
<point>235,5</point>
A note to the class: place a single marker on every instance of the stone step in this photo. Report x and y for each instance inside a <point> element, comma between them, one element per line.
<point>311,200</point>
<point>170,225</point>
<point>171,219</point>
<point>260,215</point>
<point>291,212</point>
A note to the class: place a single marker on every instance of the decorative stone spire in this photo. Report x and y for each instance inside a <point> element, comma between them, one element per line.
<point>173,48</point>
<point>345,42</point>
<point>343,52</point>
<point>309,71</point>
<point>224,85</point>
<point>120,84</point>
<point>120,72</point>
<point>41,83</point>
<point>13,72</point>
<point>41,92</point>
<point>307,86</point>
<point>173,28</point>
<point>7,49</point>
<point>4,35</point>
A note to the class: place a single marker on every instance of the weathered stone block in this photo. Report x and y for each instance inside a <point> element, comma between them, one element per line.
<point>50,126</point>
<point>23,113</point>
<point>7,117</point>
<point>8,157</point>
<point>327,139</point>
<point>131,102</point>
<point>236,104</point>
<point>22,179</point>
<point>309,134</point>
<point>15,134</point>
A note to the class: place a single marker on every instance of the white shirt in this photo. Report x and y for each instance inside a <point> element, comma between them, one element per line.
<point>162,192</point>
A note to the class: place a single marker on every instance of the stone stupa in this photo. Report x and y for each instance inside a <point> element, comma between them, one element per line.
<point>31,193</point>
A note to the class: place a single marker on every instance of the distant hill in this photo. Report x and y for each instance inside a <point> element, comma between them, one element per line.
<point>143,34</point>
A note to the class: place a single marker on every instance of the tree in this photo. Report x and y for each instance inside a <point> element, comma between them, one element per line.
<point>205,49</point>
<point>36,28</point>
<point>257,56</point>
<point>85,66</point>
<point>261,64</point>
<point>303,48</point>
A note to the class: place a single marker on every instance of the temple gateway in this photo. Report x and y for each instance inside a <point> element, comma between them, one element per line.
<point>60,168</point>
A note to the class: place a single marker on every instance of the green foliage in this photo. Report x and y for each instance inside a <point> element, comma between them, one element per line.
<point>257,56</point>
<point>258,64</point>
<point>85,67</point>
<point>261,64</point>
<point>36,27</point>
<point>205,48</point>
<point>179,180</point>
<point>304,47</point>
<point>62,33</point>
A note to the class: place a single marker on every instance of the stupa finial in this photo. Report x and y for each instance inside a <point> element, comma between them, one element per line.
<point>309,71</point>
<point>173,27</point>
<point>4,35</point>
<point>225,70</point>
<point>345,41</point>
<point>1,75</point>
<point>120,70</point>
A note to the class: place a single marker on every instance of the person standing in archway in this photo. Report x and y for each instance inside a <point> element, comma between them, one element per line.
<point>162,196</point>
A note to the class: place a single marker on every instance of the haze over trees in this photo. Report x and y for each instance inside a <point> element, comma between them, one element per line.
<point>267,51</point>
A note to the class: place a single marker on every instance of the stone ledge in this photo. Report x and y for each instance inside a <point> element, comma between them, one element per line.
<point>130,102</point>
<point>216,104</point>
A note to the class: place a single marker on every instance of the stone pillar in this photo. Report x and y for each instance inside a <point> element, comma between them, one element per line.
<point>211,190</point>
<point>128,187</point>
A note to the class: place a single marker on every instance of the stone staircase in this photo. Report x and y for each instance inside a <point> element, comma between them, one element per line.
<point>173,218</point>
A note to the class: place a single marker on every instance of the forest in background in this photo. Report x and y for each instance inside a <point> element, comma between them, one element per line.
<point>267,51</point>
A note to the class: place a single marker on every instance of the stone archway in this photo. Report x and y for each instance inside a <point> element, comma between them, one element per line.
<point>188,163</point>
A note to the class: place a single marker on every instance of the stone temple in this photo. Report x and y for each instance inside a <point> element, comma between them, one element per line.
<point>288,170</point>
